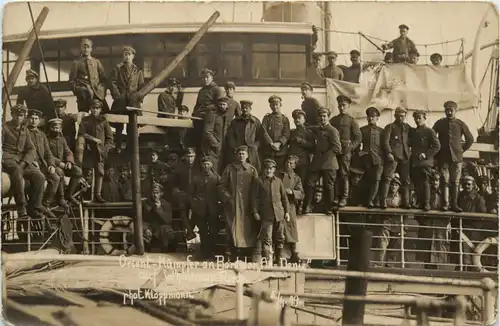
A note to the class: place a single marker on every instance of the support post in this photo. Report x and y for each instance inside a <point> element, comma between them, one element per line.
<point>359,260</point>
<point>136,184</point>
<point>239,295</point>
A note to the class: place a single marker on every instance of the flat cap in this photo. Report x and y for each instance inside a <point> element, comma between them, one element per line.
<point>322,110</point>
<point>420,113</point>
<point>230,85</point>
<point>207,72</point>
<point>356,170</point>
<point>331,54</point>
<point>19,109</point>
<point>306,85</point>
<point>450,104</point>
<point>206,159</point>
<point>96,103</point>
<point>274,98</point>
<point>55,121</point>
<point>269,162</point>
<point>298,112</point>
<point>246,102</point>
<point>293,158</point>
<point>437,56</point>
<point>355,52</point>
<point>172,81</point>
<point>157,187</point>
<point>401,110</point>
<point>86,41</point>
<point>468,178</point>
<point>60,102</point>
<point>372,111</point>
<point>343,98</point>
<point>31,73</point>
<point>190,150</point>
<point>223,99</point>
<point>128,49</point>
<point>396,179</point>
<point>403,26</point>
<point>242,148</point>
<point>35,113</point>
<point>183,108</point>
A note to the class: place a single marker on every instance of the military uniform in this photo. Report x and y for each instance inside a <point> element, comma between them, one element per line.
<point>68,123</point>
<point>233,106</point>
<point>275,128</point>
<point>167,102</point>
<point>310,106</point>
<point>158,222</point>
<point>178,138</point>
<point>207,98</point>
<point>301,144</point>
<point>37,97</point>
<point>214,136</point>
<point>401,47</point>
<point>332,70</point>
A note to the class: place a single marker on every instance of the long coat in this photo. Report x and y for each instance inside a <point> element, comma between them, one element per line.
<point>245,131</point>
<point>204,195</point>
<point>125,82</point>
<point>328,146</point>
<point>214,134</point>
<point>423,140</point>
<point>87,75</point>
<point>60,150</point>
<point>17,146</point>
<point>275,128</point>
<point>292,181</point>
<point>44,155</point>
<point>235,189</point>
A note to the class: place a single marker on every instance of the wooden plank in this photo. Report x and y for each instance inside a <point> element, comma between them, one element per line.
<point>154,121</point>
<point>483,147</point>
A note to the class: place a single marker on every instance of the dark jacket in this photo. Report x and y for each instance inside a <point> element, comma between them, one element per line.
<point>423,140</point>
<point>245,131</point>
<point>207,99</point>
<point>214,133</point>
<point>44,155</point>
<point>275,128</point>
<point>292,181</point>
<point>97,127</point>
<point>233,109</point>
<point>204,195</point>
<point>396,140</point>
<point>350,134</point>
<point>37,98</point>
<point>166,103</point>
<point>16,144</point>
<point>60,150</point>
<point>87,75</point>
<point>371,136</point>
<point>311,106</point>
<point>69,130</point>
<point>450,132</point>
<point>124,82</point>
<point>333,72</point>
<point>270,199</point>
<point>401,49</point>
<point>157,216</point>
<point>327,148</point>
<point>301,144</point>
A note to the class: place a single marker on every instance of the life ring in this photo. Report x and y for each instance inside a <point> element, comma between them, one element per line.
<point>116,223</point>
<point>480,248</point>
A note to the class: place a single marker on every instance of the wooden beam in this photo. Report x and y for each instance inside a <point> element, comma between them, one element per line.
<point>154,121</point>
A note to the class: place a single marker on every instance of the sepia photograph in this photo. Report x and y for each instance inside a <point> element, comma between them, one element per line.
<point>250,163</point>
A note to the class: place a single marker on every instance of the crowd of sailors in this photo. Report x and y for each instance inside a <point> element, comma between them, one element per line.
<point>258,175</point>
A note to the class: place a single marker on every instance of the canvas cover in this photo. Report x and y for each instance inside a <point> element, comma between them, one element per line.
<point>411,86</point>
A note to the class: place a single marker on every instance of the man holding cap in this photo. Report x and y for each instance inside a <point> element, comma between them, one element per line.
<point>402,46</point>
<point>332,70</point>
<point>36,95</point>
<point>126,80</point>
<point>310,105</point>
<point>214,133</point>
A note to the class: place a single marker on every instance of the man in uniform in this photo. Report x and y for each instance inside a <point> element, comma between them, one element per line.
<point>275,133</point>
<point>332,70</point>
<point>235,189</point>
<point>246,130</point>
<point>350,138</point>
<point>233,107</point>
<point>397,155</point>
<point>372,154</point>
<point>424,145</point>
<point>450,157</point>
<point>68,123</point>
<point>44,160</point>
<point>204,205</point>
<point>309,105</point>
<point>64,162</point>
<point>167,101</point>
<point>301,144</point>
<point>324,164</point>
<point>402,46</point>
<point>177,138</point>
<point>18,154</point>
<point>436,59</point>
<point>352,73</point>
<point>214,133</point>
<point>126,80</point>
<point>36,95</point>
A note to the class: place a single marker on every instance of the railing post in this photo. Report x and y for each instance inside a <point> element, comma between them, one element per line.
<point>28,230</point>
<point>460,312</point>
<point>337,237</point>
<point>239,295</point>
<point>488,301</point>
<point>460,249</point>
<point>402,239</point>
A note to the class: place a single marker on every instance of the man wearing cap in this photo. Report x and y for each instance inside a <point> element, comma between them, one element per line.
<point>350,138</point>
<point>324,164</point>
<point>309,105</point>
<point>157,214</point>
<point>235,190</point>
<point>96,132</point>
<point>87,79</point>
<point>68,123</point>
<point>233,107</point>
<point>424,145</point>
<point>36,96</point>
<point>246,130</point>
<point>275,133</point>
<point>395,143</point>
<point>402,46</point>
<point>301,144</point>
<point>436,59</point>
<point>18,155</point>
<point>450,131</point>
<point>332,70</point>
<point>167,101</point>
<point>214,133</point>
<point>157,165</point>
<point>44,160</point>
<point>352,73</point>
<point>270,207</point>
<point>295,195</point>
<point>126,80</point>
<point>204,205</point>
<point>64,162</point>
<point>372,154</point>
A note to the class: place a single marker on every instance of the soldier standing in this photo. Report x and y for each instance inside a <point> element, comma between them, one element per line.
<point>424,145</point>
<point>397,150</point>
<point>214,133</point>
<point>310,105</point>
<point>126,80</point>
<point>301,144</point>
<point>350,138</point>
<point>324,164</point>
<point>372,154</point>
<point>276,133</point>
<point>235,189</point>
<point>450,157</point>
<point>44,160</point>
<point>96,131</point>
<point>402,46</point>
<point>295,194</point>
<point>233,107</point>
<point>64,162</point>
<point>167,101</point>
<point>352,73</point>
<point>246,130</point>
<point>270,206</point>
<point>332,70</point>
<point>18,154</point>
<point>68,123</point>
<point>36,95</point>
<point>204,204</point>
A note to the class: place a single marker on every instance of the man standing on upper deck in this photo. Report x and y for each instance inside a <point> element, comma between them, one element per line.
<point>332,70</point>
<point>450,157</point>
<point>126,80</point>
<point>350,137</point>
<point>301,144</point>
<point>352,73</point>
<point>36,96</point>
<point>214,134</point>
<point>310,105</point>
<point>167,101</point>
<point>233,107</point>
<point>402,46</point>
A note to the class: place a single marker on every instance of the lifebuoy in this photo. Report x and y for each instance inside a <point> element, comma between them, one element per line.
<point>479,249</point>
<point>116,223</point>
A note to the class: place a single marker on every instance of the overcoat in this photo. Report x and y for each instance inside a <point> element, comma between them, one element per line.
<point>214,134</point>
<point>17,146</point>
<point>301,144</point>
<point>245,131</point>
<point>328,146</point>
<point>270,203</point>
<point>292,181</point>
<point>275,128</point>
<point>37,98</point>
<point>204,195</point>
<point>97,127</point>
<point>124,82</point>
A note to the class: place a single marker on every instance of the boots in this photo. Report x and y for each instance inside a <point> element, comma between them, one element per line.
<point>278,255</point>
<point>329,198</point>
<point>373,194</point>
<point>98,188</point>
<point>73,184</point>
<point>427,196</point>
<point>384,191</point>
<point>306,208</point>
<point>454,198</point>
<point>446,198</point>
<point>345,192</point>
<point>294,259</point>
